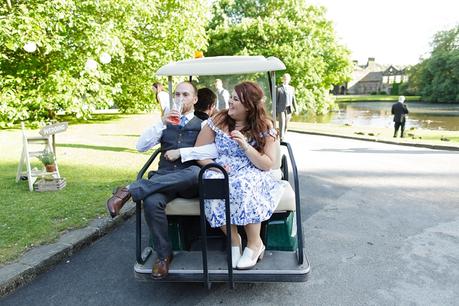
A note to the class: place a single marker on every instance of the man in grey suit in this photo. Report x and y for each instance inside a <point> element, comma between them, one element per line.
<point>285,104</point>
<point>399,110</point>
<point>222,95</point>
<point>173,178</point>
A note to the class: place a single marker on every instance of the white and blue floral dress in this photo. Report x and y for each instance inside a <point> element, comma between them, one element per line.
<point>253,193</point>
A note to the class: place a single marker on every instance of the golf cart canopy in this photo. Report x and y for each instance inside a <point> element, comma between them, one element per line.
<point>221,65</point>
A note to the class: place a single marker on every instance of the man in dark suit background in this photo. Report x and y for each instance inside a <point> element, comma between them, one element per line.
<point>285,104</point>
<point>173,178</point>
<point>399,110</point>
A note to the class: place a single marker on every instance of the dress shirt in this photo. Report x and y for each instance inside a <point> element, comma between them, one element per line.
<point>208,151</point>
<point>288,93</point>
<point>152,135</point>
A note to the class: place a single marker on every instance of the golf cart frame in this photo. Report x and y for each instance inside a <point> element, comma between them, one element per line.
<point>208,266</point>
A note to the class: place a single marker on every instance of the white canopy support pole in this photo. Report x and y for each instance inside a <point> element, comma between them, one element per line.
<point>169,81</point>
<point>273,97</point>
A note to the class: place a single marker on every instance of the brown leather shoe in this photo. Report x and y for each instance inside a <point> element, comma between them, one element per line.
<point>116,202</point>
<point>161,267</point>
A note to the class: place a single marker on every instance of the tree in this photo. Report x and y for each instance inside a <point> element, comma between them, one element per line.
<point>298,34</point>
<point>75,56</point>
<point>436,78</point>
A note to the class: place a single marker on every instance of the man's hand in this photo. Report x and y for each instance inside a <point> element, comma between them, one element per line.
<point>172,155</point>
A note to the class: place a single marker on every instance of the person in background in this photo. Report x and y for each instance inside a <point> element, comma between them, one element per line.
<point>399,110</point>
<point>172,179</point>
<point>162,97</point>
<point>205,106</point>
<point>222,95</point>
<point>285,104</point>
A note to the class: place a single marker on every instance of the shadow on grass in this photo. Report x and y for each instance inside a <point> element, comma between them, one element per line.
<point>100,148</point>
<point>96,118</point>
<point>121,135</point>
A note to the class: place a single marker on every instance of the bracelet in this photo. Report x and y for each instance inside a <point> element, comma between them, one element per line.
<point>246,147</point>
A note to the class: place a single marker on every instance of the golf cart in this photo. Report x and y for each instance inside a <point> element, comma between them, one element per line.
<point>203,254</point>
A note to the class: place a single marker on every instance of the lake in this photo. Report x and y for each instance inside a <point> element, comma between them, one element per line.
<point>431,116</point>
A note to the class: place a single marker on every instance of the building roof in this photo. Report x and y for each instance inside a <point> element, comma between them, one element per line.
<point>375,76</point>
<point>394,70</point>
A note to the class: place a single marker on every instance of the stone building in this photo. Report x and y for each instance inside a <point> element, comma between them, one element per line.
<point>372,78</point>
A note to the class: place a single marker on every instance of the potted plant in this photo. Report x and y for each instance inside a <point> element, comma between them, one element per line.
<point>47,158</point>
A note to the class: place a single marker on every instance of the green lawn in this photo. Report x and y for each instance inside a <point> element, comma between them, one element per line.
<point>94,158</point>
<point>374,98</point>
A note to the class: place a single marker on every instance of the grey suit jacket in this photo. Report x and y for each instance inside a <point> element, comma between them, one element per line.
<point>281,99</point>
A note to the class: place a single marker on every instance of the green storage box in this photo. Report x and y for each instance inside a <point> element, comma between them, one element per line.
<point>281,232</point>
<point>174,235</point>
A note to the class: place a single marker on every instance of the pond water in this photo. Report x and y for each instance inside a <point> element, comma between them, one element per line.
<point>431,116</point>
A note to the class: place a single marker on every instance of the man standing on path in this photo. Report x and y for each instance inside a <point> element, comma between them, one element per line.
<point>285,104</point>
<point>222,95</point>
<point>399,110</point>
<point>173,178</point>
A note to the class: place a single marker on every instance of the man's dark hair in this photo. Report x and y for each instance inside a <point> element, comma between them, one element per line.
<point>206,99</point>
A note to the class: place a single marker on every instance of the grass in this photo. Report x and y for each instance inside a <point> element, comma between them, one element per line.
<point>414,136</point>
<point>373,98</point>
<point>94,158</point>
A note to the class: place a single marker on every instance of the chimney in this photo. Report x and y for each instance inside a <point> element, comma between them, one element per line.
<point>371,61</point>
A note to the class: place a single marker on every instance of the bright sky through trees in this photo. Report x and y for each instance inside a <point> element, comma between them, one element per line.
<point>392,31</point>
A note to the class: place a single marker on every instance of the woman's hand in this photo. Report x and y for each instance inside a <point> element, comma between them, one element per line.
<point>172,155</point>
<point>240,139</point>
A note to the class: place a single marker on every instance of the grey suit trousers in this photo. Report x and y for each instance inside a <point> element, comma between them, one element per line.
<point>156,192</point>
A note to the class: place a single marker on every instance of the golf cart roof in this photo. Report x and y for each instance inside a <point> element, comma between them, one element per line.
<point>221,65</point>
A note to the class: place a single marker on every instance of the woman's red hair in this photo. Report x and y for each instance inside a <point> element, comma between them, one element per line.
<point>258,121</point>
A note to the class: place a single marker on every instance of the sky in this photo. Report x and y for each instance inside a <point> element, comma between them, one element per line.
<point>392,31</point>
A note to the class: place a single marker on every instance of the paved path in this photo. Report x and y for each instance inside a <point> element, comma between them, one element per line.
<point>381,226</point>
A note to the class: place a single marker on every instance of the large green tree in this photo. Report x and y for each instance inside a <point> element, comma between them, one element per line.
<point>78,55</point>
<point>436,78</point>
<point>297,33</point>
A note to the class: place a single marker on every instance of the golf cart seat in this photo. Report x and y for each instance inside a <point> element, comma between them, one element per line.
<point>190,207</point>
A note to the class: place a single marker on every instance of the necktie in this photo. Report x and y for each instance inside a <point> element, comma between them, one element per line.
<point>183,121</point>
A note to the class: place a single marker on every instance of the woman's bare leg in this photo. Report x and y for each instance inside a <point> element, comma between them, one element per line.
<point>254,241</point>
<point>234,234</point>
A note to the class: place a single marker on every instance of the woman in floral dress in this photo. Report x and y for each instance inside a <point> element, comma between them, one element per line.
<point>245,141</point>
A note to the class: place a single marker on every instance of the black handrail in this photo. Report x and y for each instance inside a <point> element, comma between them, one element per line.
<point>299,226</point>
<point>212,193</point>
<point>138,212</point>
<point>148,163</point>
